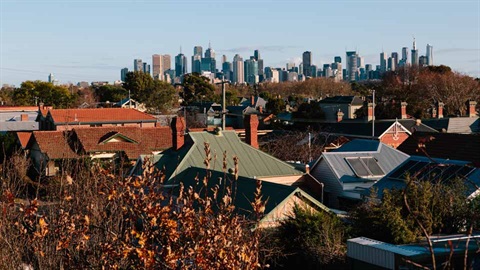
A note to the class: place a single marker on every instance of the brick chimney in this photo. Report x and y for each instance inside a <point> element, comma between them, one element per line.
<point>369,111</point>
<point>339,116</point>
<point>252,100</point>
<point>440,109</point>
<point>403,110</point>
<point>251,126</point>
<point>434,112</point>
<point>178,132</point>
<point>471,108</point>
<point>260,109</point>
<point>24,117</point>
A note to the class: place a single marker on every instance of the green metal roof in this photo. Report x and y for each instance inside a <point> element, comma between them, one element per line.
<point>252,162</point>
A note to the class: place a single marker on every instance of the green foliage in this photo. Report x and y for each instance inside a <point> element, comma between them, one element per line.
<point>309,110</point>
<point>139,84</point>
<point>275,105</point>
<point>311,238</point>
<point>439,207</point>
<point>157,95</point>
<point>266,95</point>
<point>197,88</point>
<point>110,93</point>
<point>32,91</point>
<point>7,145</point>
<point>232,96</point>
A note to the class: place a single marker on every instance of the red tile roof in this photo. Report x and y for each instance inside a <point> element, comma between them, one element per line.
<point>55,144</point>
<point>134,141</point>
<point>18,108</point>
<point>102,115</point>
<point>23,138</point>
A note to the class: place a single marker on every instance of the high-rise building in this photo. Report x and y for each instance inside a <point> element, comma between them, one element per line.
<point>197,50</point>
<point>369,71</point>
<point>51,79</point>
<point>404,61</point>
<point>251,71</point>
<point>146,68</point>
<point>414,54</point>
<point>352,66</point>
<point>383,62</point>
<point>123,74</point>
<point>256,55</point>
<point>422,61</point>
<point>337,59</point>
<point>360,62</point>
<point>209,63</point>
<point>157,62</point>
<point>313,70</point>
<point>197,59</point>
<point>395,58</point>
<point>429,55</point>
<point>238,72</point>
<point>307,62</point>
<point>391,64</point>
<point>224,59</point>
<point>137,65</point>
<point>167,62</point>
<point>227,70</point>
<point>180,65</point>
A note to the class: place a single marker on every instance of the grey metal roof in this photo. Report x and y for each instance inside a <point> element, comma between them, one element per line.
<point>390,181</point>
<point>387,157</point>
<point>353,100</point>
<point>455,124</point>
<point>19,126</point>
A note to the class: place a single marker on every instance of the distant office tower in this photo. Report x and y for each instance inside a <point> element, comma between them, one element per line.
<point>227,69</point>
<point>307,62</point>
<point>395,58</point>
<point>404,60</point>
<point>348,54</point>
<point>197,50</point>
<point>251,71</point>
<point>313,70</point>
<point>391,64</point>
<point>180,65</point>
<point>197,59</point>
<point>369,71</point>
<point>137,65</point>
<point>167,62</point>
<point>327,71</point>
<point>123,74</point>
<point>429,55</point>
<point>383,62</point>
<point>272,75</point>
<point>337,59</point>
<point>224,59</point>
<point>157,63</point>
<point>238,72</point>
<point>414,54</point>
<point>338,72</point>
<point>360,62</point>
<point>146,68</point>
<point>422,61</point>
<point>290,66</point>
<point>256,55</point>
<point>209,63</point>
<point>352,66</point>
<point>51,79</point>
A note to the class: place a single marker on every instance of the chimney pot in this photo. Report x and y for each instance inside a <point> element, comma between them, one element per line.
<point>472,108</point>
<point>370,111</point>
<point>24,117</point>
<point>440,110</point>
<point>340,115</point>
<point>403,110</point>
<point>178,132</point>
<point>251,128</point>
<point>307,168</point>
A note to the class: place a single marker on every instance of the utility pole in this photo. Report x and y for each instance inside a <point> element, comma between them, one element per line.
<point>224,105</point>
<point>373,112</point>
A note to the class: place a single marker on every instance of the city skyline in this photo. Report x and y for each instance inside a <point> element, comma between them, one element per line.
<point>56,36</point>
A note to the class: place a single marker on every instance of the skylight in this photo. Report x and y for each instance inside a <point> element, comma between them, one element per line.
<point>365,166</point>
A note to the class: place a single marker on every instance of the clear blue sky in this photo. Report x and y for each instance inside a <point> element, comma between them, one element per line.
<point>87,40</point>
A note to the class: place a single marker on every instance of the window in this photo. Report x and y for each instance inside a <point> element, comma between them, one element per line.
<point>365,166</point>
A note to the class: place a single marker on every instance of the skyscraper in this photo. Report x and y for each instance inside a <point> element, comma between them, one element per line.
<point>227,69</point>
<point>146,68</point>
<point>159,67</point>
<point>307,62</point>
<point>180,65</point>
<point>422,61</point>
<point>429,55</point>
<point>395,58</point>
<point>251,71</point>
<point>137,65</point>
<point>197,59</point>
<point>360,62</point>
<point>51,78</point>
<point>383,62</point>
<point>404,61</point>
<point>238,75</point>
<point>123,74</point>
<point>337,59</point>
<point>414,54</point>
<point>209,63</point>
<point>352,66</point>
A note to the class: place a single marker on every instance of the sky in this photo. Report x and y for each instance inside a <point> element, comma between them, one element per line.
<point>91,40</point>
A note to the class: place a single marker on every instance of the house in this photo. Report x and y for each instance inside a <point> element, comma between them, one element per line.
<point>465,125</point>
<point>185,161</point>
<point>390,132</point>
<point>346,104</point>
<point>130,104</point>
<point>48,150</point>
<point>366,253</point>
<point>428,169</point>
<point>444,145</point>
<point>67,119</point>
<point>21,118</point>
<point>353,167</point>
<point>103,143</point>
<point>254,102</point>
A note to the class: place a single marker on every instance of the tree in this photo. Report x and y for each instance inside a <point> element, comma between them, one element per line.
<point>311,238</point>
<point>196,88</point>
<point>275,105</point>
<point>32,92</point>
<point>309,110</point>
<point>110,93</point>
<point>161,96</point>
<point>139,84</point>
